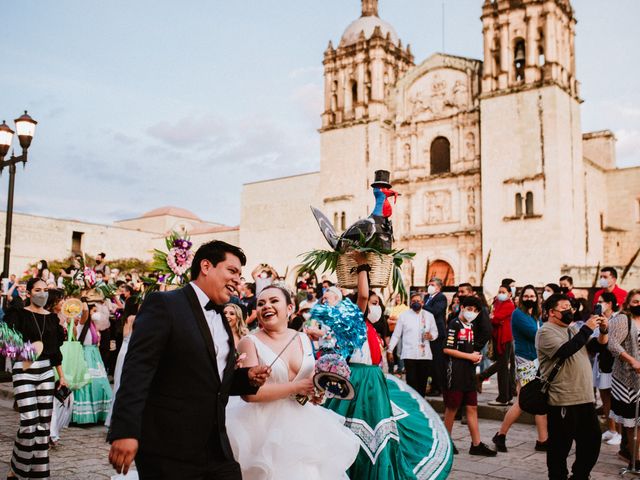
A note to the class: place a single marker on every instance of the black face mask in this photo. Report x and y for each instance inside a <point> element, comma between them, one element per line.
<point>415,306</point>
<point>528,303</point>
<point>567,317</point>
<point>309,297</point>
<point>564,290</point>
<point>635,310</point>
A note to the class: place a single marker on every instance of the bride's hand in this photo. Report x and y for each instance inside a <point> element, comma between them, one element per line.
<point>303,387</point>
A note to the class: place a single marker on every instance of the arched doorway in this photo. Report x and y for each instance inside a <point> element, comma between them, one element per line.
<point>442,270</point>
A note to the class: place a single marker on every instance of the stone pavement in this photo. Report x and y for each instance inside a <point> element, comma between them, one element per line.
<point>82,453</point>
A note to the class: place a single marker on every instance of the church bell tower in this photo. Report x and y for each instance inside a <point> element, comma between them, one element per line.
<point>354,138</point>
<point>531,154</point>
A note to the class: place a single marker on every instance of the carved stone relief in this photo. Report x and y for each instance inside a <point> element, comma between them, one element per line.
<point>438,207</point>
<point>470,146</point>
<point>441,96</point>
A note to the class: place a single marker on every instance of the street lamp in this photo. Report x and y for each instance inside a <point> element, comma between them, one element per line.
<point>25,126</point>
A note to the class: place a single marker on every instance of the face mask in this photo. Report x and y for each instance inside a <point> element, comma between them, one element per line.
<point>513,291</point>
<point>375,313</point>
<point>40,299</point>
<point>96,317</point>
<point>564,290</point>
<point>528,303</point>
<point>309,297</point>
<point>635,310</point>
<point>603,282</point>
<point>603,307</point>
<point>431,289</point>
<point>546,295</point>
<point>415,306</point>
<point>456,308</point>
<point>98,262</point>
<point>306,315</point>
<point>502,297</point>
<point>469,316</point>
<point>567,317</point>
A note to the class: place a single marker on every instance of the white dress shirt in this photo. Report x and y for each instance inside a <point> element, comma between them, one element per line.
<point>410,329</point>
<point>218,332</point>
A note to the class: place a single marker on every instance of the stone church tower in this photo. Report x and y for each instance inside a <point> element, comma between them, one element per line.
<point>354,140</point>
<point>533,191</point>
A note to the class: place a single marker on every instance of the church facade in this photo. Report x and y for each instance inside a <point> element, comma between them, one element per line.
<point>495,174</point>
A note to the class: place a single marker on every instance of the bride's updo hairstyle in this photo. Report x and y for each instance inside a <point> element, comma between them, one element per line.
<point>285,292</point>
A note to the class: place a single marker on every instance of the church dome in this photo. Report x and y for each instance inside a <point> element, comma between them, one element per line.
<point>367,25</point>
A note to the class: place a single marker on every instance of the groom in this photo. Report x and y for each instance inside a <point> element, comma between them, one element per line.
<point>169,412</point>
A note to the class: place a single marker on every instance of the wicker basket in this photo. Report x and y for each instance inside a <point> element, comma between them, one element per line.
<point>381,266</point>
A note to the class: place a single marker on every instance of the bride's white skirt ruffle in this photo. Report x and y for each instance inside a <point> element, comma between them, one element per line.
<point>283,439</point>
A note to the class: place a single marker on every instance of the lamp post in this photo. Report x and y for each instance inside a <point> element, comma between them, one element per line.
<point>25,126</point>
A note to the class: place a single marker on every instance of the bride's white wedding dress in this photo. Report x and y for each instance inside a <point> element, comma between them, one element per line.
<point>282,439</point>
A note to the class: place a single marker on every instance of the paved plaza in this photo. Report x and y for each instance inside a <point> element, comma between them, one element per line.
<point>82,453</point>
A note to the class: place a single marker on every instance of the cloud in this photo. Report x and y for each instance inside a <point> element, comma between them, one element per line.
<point>315,71</point>
<point>189,132</point>
<point>310,98</point>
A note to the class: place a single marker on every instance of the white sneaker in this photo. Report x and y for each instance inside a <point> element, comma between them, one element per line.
<point>616,439</point>
<point>608,435</point>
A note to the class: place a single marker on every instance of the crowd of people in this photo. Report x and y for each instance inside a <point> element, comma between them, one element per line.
<point>443,343</point>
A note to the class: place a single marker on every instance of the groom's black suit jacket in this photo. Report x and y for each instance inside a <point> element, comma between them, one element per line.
<point>171,396</point>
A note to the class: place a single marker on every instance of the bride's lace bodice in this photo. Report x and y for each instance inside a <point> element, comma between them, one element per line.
<point>280,370</point>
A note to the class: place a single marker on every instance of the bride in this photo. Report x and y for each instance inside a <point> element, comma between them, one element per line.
<point>272,435</point>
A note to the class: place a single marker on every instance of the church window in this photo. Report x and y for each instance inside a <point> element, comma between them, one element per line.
<point>440,156</point>
<point>343,221</point>
<point>528,209</point>
<point>354,93</point>
<point>335,220</point>
<point>519,59</point>
<point>518,204</point>
<point>541,59</point>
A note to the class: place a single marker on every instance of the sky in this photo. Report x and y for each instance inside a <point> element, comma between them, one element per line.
<point>148,103</point>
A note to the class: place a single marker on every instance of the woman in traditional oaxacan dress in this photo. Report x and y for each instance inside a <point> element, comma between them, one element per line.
<point>91,403</point>
<point>34,383</point>
<point>273,436</point>
<point>401,436</point>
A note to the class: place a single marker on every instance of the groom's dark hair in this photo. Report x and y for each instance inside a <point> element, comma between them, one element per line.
<point>215,251</point>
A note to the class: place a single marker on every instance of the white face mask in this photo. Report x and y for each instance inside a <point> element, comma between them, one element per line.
<point>96,317</point>
<point>375,313</point>
<point>604,283</point>
<point>431,289</point>
<point>469,316</point>
<point>546,295</point>
<point>502,297</point>
<point>306,315</point>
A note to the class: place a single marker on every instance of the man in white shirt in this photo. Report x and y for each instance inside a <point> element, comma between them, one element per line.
<point>415,328</point>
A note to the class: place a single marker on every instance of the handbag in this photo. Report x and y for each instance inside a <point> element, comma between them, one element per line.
<point>74,366</point>
<point>61,393</point>
<point>534,396</point>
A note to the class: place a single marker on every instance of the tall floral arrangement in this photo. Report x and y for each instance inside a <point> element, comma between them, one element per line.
<point>172,266</point>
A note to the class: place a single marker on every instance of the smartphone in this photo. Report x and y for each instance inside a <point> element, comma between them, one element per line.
<point>597,310</point>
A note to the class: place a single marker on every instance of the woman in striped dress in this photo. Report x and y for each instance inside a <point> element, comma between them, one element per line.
<point>34,383</point>
<point>624,340</point>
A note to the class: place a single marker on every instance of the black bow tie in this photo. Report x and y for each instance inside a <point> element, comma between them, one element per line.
<point>212,306</point>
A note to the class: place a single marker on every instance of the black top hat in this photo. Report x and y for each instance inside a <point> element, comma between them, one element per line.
<point>382,179</point>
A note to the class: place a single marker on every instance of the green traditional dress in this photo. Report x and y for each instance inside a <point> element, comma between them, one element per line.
<point>401,436</point>
<point>91,403</point>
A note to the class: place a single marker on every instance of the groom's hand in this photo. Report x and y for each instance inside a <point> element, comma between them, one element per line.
<point>258,375</point>
<point>122,453</point>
